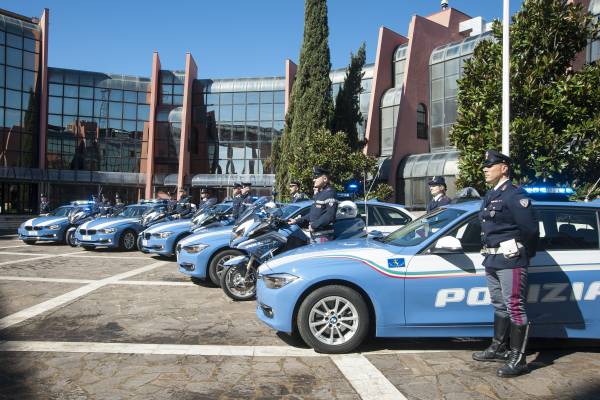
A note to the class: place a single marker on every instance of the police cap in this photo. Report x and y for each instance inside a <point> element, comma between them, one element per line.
<point>319,171</point>
<point>493,157</point>
<point>42,195</point>
<point>237,185</point>
<point>437,181</point>
<point>295,183</point>
<point>246,184</point>
<point>204,190</point>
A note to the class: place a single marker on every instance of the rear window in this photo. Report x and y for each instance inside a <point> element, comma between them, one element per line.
<point>567,229</point>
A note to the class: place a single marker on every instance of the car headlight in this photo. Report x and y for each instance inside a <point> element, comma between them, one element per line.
<point>164,235</point>
<point>107,230</point>
<point>54,227</point>
<point>194,248</point>
<point>277,281</point>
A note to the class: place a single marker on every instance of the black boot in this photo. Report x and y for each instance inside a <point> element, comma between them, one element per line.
<point>516,364</point>
<point>498,350</point>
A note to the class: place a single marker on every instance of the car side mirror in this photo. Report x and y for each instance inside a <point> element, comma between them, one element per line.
<point>447,245</point>
<point>375,235</point>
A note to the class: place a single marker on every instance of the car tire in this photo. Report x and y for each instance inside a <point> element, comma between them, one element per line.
<point>70,237</point>
<point>138,243</point>
<point>29,242</point>
<point>330,300</point>
<point>128,240</point>
<point>88,248</point>
<point>215,266</point>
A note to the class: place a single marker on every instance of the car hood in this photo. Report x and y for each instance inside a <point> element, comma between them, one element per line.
<point>103,223</point>
<point>46,221</point>
<point>170,226</point>
<point>368,251</point>
<point>208,234</point>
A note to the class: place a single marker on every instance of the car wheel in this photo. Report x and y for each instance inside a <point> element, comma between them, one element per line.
<point>333,319</point>
<point>216,265</point>
<point>139,243</point>
<point>128,240</point>
<point>70,238</point>
<point>88,248</point>
<point>29,242</point>
<point>176,242</point>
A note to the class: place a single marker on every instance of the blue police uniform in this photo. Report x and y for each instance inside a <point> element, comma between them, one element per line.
<point>509,232</point>
<point>240,202</point>
<point>321,216</point>
<point>299,196</point>
<point>441,201</point>
<point>44,207</point>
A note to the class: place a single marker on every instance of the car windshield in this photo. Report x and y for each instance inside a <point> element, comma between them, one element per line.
<point>61,211</point>
<point>423,228</point>
<point>288,210</point>
<point>133,211</point>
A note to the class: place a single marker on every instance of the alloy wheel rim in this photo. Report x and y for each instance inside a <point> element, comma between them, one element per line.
<point>221,265</point>
<point>237,283</point>
<point>129,240</point>
<point>333,320</point>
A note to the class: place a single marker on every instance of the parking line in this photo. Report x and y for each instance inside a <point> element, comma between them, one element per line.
<point>35,279</point>
<point>367,380</point>
<point>79,255</point>
<point>38,309</point>
<point>155,283</point>
<point>31,259</point>
<point>14,247</point>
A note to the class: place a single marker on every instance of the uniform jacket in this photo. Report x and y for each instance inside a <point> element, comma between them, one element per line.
<point>506,213</point>
<point>433,204</point>
<point>322,213</point>
<point>44,207</point>
<point>239,204</point>
<point>299,196</point>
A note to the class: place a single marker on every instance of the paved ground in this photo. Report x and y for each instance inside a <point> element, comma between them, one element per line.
<point>112,325</point>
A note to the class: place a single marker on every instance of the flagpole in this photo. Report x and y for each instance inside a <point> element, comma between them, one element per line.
<point>505,78</point>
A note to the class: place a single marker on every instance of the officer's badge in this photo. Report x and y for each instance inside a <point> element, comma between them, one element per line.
<point>524,202</point>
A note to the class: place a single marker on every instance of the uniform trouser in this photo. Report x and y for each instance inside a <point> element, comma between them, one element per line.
<point>508,292</point>
<point>321,238</point>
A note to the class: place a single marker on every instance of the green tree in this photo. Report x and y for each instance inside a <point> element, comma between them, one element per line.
<point>347,113</point>
<point>311,105</point>
<point>555,111</point>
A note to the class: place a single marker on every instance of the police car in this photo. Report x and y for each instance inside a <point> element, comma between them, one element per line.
<point>426,280</point>
<point>120,231</point>
<point>203,254</point>
<point>50,227</point>
<point>163,238</point>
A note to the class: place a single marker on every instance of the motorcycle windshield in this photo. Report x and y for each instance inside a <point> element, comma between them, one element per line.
<point>250,212</point>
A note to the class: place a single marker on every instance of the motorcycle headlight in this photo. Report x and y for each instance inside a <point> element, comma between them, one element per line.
<point>54,227</point>
<point>107,230</point>
<point>164,235</point>
<point>277,281</point>
<point>194,248</point>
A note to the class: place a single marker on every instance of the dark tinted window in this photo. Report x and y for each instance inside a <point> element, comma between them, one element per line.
<point>469,235</point>
<point>391,216</point>
<point>567,229</point>
<point>373,219</point>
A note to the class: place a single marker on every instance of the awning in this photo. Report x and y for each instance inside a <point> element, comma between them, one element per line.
<point>170,180</point>
<point>429,164</point>
<point>226,180</point>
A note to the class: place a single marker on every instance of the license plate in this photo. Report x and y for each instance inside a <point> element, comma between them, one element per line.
<point>144,242</point>
<point>86,237</point>
<point>33,233</point>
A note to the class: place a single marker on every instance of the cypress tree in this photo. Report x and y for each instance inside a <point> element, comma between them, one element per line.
<point>311,106</point>
<point>347,109</point>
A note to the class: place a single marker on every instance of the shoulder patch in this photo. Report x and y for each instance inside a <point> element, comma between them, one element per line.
<point>524,202</point>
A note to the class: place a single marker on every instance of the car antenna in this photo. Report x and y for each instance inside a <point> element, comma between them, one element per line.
<point>587,196</point>
<point>369,191</point>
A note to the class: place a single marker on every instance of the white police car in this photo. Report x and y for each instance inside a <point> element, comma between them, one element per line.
<point>426,280</point>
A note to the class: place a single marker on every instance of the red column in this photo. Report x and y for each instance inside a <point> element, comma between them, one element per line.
<point>191,73</point>
<point>290,76</point>
<point>154,93</point>
<point>43,71</point>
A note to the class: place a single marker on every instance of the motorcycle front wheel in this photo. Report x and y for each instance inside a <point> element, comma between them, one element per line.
<point>237,285</point>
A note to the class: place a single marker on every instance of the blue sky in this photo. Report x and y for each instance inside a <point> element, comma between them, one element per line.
<point>228,38</point>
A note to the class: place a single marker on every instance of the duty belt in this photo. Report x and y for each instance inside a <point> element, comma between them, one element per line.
<point>497,250</point>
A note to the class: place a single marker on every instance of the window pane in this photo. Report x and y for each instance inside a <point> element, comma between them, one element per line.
<point>2,58</point>
<point>71,91</point>
<point>13,78</point>
<point>55,89</point>
<point>279,97</point>
<point>14,40</point>
<point>239,98</point>
<point>13,99</point>
<point>252,97</point>
<point>239,112</point>
<point>2,76</point>
<point>30,61</point>
<point>54,105</point>
<point>266,97</point>
<point>451,86</point>
<point>143,112</point>
<point>116,95</point>
<point>70,106</point>
<point>266,110</point>
<point>85,108</point>
<point>567,230</point>
<point>14,57</point>
<point>437,113</point>
<point>387,117</point>
<point>212,98</point>
<point>115,110</point>
<point>178,89</point>
<point>279,112</point>
<point>28,81</point>
<point>225,113</point>
<point>226,98</point>
<point>252,112</point>
<point>450,111</point>
<point>143,97</point>
<point>130,97</point>
<point>437,89</point>
<point>452,67</point>
<point>86,92</point>
<point>437,71</point>
<point>129,111</point>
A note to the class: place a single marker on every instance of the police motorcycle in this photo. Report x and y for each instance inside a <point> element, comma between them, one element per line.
<point>183,211</point>
<point>267,235</point>
<point>212,216</point>
<point>78,216</point>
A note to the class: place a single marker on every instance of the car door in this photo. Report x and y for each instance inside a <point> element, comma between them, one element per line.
<point>449,289</point>
<point>390,219</point>
<point>373,221</point>
<point>564,282</point>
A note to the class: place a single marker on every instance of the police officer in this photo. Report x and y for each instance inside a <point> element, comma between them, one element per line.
<point>104,205</point>
<point>118,201</point>
<point>206,200</point>
<point>322,213</point>
<point>509,237</point>
<point>172,202</point>
<point>295,192</point>
<point>239,197</point>
<point>44,204</point>
<point>437,188</point>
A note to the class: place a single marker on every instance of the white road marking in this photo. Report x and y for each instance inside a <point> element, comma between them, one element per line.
<point>34,279</point>
<point>14,247</point>
<point>155,283</point>
<point>367,380</point>
<point>33,258</point>
<point>38,309</point>
<point>104,257</point>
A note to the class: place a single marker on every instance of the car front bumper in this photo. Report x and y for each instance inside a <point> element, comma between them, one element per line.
<point>275,307</point>
<point>97,240</point>
<point>45,235</point>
